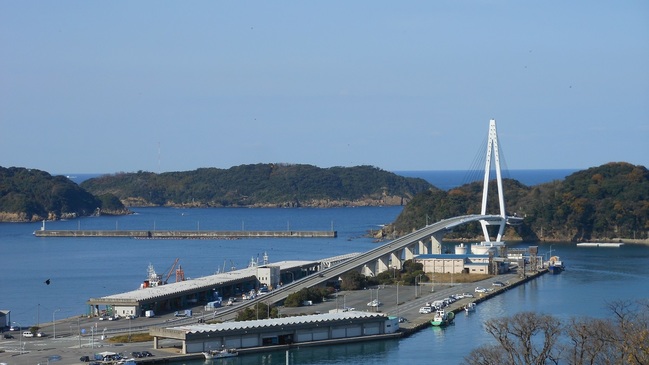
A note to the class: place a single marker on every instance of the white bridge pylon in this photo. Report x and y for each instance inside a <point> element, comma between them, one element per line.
<point>494,155</point>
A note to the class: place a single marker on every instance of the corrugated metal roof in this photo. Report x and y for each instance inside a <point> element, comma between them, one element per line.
<point>273,322</point>
<point>197,284</point>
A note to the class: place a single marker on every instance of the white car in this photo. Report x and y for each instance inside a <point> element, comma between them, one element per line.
<point>374,303</point>
<point>28,334</point>
<point>480,289</point>
<point>425,310</point>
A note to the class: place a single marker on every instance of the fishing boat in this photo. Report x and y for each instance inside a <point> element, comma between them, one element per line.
<point>220,354</point>
<point>470,307</point>
<point>555,265</point>
<point>442,318</point>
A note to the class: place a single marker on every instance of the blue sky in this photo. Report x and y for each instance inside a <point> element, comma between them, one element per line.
<point>109,86</point>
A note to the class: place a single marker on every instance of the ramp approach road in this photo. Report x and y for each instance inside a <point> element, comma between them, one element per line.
<point>332,273</point>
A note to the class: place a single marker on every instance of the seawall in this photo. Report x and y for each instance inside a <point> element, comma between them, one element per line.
<point>185,234</point>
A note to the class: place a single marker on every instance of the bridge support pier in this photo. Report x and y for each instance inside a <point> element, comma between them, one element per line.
<point>424,248</point>
<point>409,252</point>
<point>383,264</point>
<point>436,243</point>
<point>367,271</point>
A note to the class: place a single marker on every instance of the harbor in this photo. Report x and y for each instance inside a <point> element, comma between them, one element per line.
<point>104,267</point>
<point>400,303</point>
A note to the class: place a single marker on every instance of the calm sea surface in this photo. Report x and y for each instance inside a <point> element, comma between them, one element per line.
<point>80,268</point>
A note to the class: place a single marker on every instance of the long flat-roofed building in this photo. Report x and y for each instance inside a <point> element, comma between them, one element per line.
<point>183,294</point>
<point>299,330</point>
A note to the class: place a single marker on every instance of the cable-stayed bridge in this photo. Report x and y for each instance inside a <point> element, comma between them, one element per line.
<point>426,240</point>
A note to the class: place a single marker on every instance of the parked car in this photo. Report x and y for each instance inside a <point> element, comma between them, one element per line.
<point>374,303</point>
<point>480,289</point>
<point>425,310</point>
<point>498,283</point>
<point>8,336</point>
<point>146,354</point>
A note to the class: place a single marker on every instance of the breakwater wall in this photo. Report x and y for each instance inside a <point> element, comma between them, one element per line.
<point>162,234</point>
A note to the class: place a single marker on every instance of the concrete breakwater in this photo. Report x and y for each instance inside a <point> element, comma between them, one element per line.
<point>162,234</point>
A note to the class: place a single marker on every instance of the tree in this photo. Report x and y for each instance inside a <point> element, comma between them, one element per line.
<point>527,338</point>
<point>533,339</point>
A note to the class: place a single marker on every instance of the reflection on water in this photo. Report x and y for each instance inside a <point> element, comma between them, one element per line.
<point>372,352</point>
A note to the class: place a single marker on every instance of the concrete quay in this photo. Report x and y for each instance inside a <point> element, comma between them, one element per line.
<point>163,234</point>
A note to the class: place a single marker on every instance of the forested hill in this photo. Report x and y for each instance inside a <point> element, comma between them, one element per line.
<point>32,195</point>
<point>261,185</point>
<point>605,202</point>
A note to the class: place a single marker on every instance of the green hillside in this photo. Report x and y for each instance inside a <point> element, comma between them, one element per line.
<point>32,195</point>
<point>605,202</point>
<point>284,185</point>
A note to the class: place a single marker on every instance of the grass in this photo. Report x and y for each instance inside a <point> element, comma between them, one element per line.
<point>134,337</point>
<point>439,278</point>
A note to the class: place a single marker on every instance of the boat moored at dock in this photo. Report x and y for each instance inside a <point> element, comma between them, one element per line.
<point>220,354</point>
<point>555,265</point>
<point>442,318</point>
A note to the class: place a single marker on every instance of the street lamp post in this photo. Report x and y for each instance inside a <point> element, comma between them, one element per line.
<point>20,336</point>
<point>397,299</point>
<point>54,324</point>
<point>377,300</point>
<point>417,279</point>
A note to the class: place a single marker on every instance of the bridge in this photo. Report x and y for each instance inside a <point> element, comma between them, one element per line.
<point>426,240</point>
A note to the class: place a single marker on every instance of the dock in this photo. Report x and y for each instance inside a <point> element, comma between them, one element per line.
<point>172,234</point>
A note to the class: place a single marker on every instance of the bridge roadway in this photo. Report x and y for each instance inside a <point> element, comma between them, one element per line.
<point>332,273</point>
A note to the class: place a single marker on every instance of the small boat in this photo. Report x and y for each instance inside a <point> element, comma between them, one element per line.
<point>555,265</point>
<point>220,354</point>
<point>469,307</point>
<point>442,318</point>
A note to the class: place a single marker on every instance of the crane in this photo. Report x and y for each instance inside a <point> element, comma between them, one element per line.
<point>171,270</point>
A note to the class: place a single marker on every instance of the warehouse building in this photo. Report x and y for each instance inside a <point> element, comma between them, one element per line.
<point>299,330</point>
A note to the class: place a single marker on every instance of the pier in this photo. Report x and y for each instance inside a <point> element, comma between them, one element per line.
<point>172,234</point>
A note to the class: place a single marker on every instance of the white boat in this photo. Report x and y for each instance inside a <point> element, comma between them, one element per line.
<point>469,307</point>
<point>220,354</point>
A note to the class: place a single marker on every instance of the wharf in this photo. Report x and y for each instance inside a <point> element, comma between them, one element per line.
<point>422,321</point>
<point>171,234</point>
